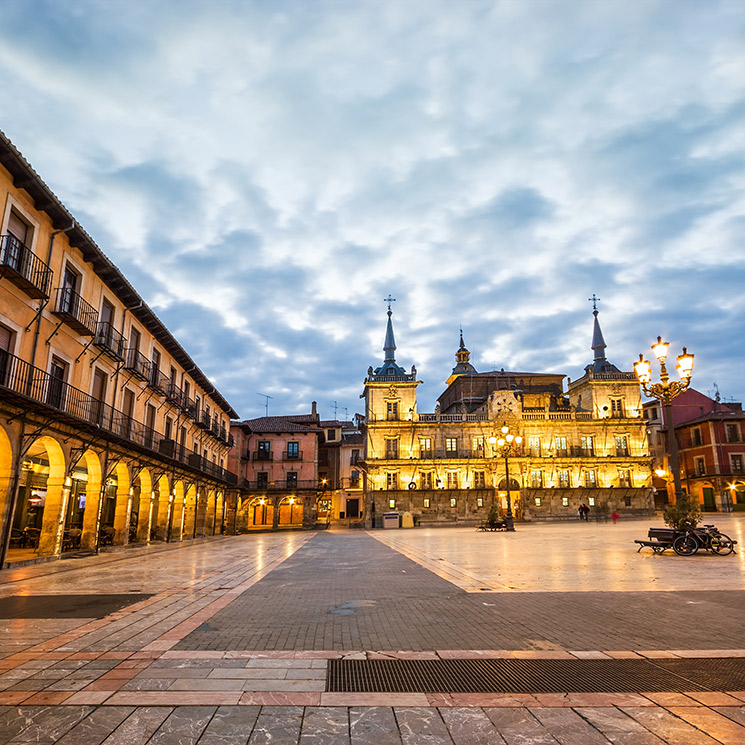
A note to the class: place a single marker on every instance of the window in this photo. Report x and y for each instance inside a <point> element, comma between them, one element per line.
<point>534,446</point>
<point>479,502</point>
<point>591,501</point>
<point>392,410</point>
<point>736,463</point>
<point>453,502</point>
<point>391,449</point>
<point>537,501</point>
<point>155,367</point>
<point>425,447</point>
<point>262,480</point>
<point>293,450</point>
<point>624,478</point>
<point>565,501</point>
<point>354,479</point>
<point>68,301</point>
<point>427,480</point>
<point>331,435</point>
<point>149,425</point>
<point>354,457</point>
<point>622,445</point>
<point>564,479</point>
<point>588,446</point>
<point>451,444</point>
<point>478,445</point>
<point>696,437</point>
<point>426,501</point>
<point>128,408</point>
<point>700,465</point>
<point>616,407</point>
<point>100,382</point>
<point>263,450</point>
<point>561,447</point>
<point>591,478</point>
<point>291,480</point>
<point>57,377</point>
<point>452,480</point>
<point>392,504</point>
<point>733,433</point>
<point>536,479</point>
<point>627,501</point>
<point>168,429</point>
<point>391,480</point>
<point>479,482</point>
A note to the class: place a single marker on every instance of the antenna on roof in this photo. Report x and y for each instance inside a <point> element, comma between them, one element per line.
<point>336,406</point>
<point>346,413</point>
<point>266,403</point>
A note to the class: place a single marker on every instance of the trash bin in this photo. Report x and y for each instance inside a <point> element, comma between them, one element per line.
<point>407,520</point>
<point>390,519</point>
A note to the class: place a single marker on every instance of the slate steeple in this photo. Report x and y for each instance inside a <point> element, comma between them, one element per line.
<point>462,357</point>
<point>389,366</point>
<point>600,362</point>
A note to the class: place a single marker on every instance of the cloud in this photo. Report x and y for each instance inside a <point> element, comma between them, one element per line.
<point>265,174</point>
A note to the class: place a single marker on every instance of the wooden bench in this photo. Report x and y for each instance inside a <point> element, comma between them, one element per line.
<point>493,525</point>
<point>659,540</point>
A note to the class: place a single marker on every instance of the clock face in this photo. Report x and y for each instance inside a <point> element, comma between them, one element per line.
<point>505,402</point>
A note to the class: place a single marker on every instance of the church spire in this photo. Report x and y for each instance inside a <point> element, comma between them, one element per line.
<point>600,361</point>
<point>462,357</point>
<point>389,366</point>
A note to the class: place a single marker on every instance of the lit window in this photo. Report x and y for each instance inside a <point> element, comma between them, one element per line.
<point>592,501</point>
<point>565,501</point>
<point>392,503</point>
<point>452,502</point>
<point>537,501</point>
<point>392,410</point>
<point>392,480</point>
<point>451,444</point>
<point>452,479</point>
<point>427,480</point>
<point>479,502</point>
<point>426,501</point>
<point>479,481</point>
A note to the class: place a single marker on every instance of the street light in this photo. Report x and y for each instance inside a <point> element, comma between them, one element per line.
<point>665,391</point>
<point>506,445</point>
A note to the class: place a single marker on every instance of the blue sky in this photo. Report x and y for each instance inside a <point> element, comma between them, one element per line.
<point>265,173</point>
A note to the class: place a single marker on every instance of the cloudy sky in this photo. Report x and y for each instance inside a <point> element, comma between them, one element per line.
<point>266,172</point>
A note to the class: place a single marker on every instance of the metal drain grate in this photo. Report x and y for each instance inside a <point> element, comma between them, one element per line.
<point>535,676</point>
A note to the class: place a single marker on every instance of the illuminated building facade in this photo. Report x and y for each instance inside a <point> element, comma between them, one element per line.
<point>581,444</point>
<point>109,432</point>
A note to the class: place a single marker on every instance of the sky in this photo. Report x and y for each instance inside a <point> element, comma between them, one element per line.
<point>266,172</point>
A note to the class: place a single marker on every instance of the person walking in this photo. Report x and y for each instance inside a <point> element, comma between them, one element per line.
<point>585,512</point>
<point>581,512</point>
<point>614,517</point>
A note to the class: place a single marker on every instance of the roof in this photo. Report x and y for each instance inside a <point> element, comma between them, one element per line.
<point>299,423</point>
<point>327,423</point>
<point>25,177</point>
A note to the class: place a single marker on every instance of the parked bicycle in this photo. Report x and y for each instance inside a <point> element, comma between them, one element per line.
<point>706,537</point>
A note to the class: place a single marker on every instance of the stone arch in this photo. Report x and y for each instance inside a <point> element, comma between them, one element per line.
<point>55,501</point>
<point>191,502</point>
<point>260,512</point>
<point>162,508</point>
<point>178,514</point>
<point>92,462</point>
<point>146,507</point>
<point>6,471</point>
<point>220,513</point>
<point>291,510</point>
<point>122,504</point>
<point>210,507</point>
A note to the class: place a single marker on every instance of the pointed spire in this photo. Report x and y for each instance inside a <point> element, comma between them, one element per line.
<point>389,366</point>
<point>600,362</point>
<point>462,357</point>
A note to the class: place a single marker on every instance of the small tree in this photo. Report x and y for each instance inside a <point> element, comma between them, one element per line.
<point>683,514</point>
<point>494,516</point>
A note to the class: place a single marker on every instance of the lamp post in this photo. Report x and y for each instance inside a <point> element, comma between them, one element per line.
<point>506,445</point>
<point>665,391</point>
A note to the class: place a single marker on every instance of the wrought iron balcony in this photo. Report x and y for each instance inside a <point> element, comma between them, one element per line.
<point>137,363</point>
<point>82,316</point>
<point>203,420</point>
<point>23,268</point>
<point>109,339</point>
<point>262,455</point>
<point>292,455</point>
<point>280,485</point>
<point>189,407</point>
<point>173,393</point>
<point>24,382</point>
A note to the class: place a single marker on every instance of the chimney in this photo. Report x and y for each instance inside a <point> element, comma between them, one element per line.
<point>313,408</point>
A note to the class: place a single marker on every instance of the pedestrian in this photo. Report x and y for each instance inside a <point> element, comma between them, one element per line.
<point>614,517</point>
<point>586,512</point>
<point>581,512</point>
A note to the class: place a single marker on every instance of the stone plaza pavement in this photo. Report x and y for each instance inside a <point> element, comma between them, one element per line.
<point>232,640</point>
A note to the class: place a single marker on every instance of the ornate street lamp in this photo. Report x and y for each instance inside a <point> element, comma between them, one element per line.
<point>665,391</point>
<point>505,446</point>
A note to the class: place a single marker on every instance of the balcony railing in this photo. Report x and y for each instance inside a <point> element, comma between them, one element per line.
<point>109,339</point>
<point>262,455</point>
<point>158,381</point>
<point>23,268</point>
<point>622,452</point>
<point>279,485</point>
<point>203,420</point>
<point>31,383</point>
<point>173,393</point>
<point>137,363</point>
<point>189,407</point>
<point>292,455</point>
<point>75,311</point>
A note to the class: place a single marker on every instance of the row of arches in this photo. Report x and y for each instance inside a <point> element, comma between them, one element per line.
<point>60,496</point>
<point>266,512</point>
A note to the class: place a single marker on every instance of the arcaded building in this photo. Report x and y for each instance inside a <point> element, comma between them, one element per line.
<point>583,442</point>
<point>110,433</point>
